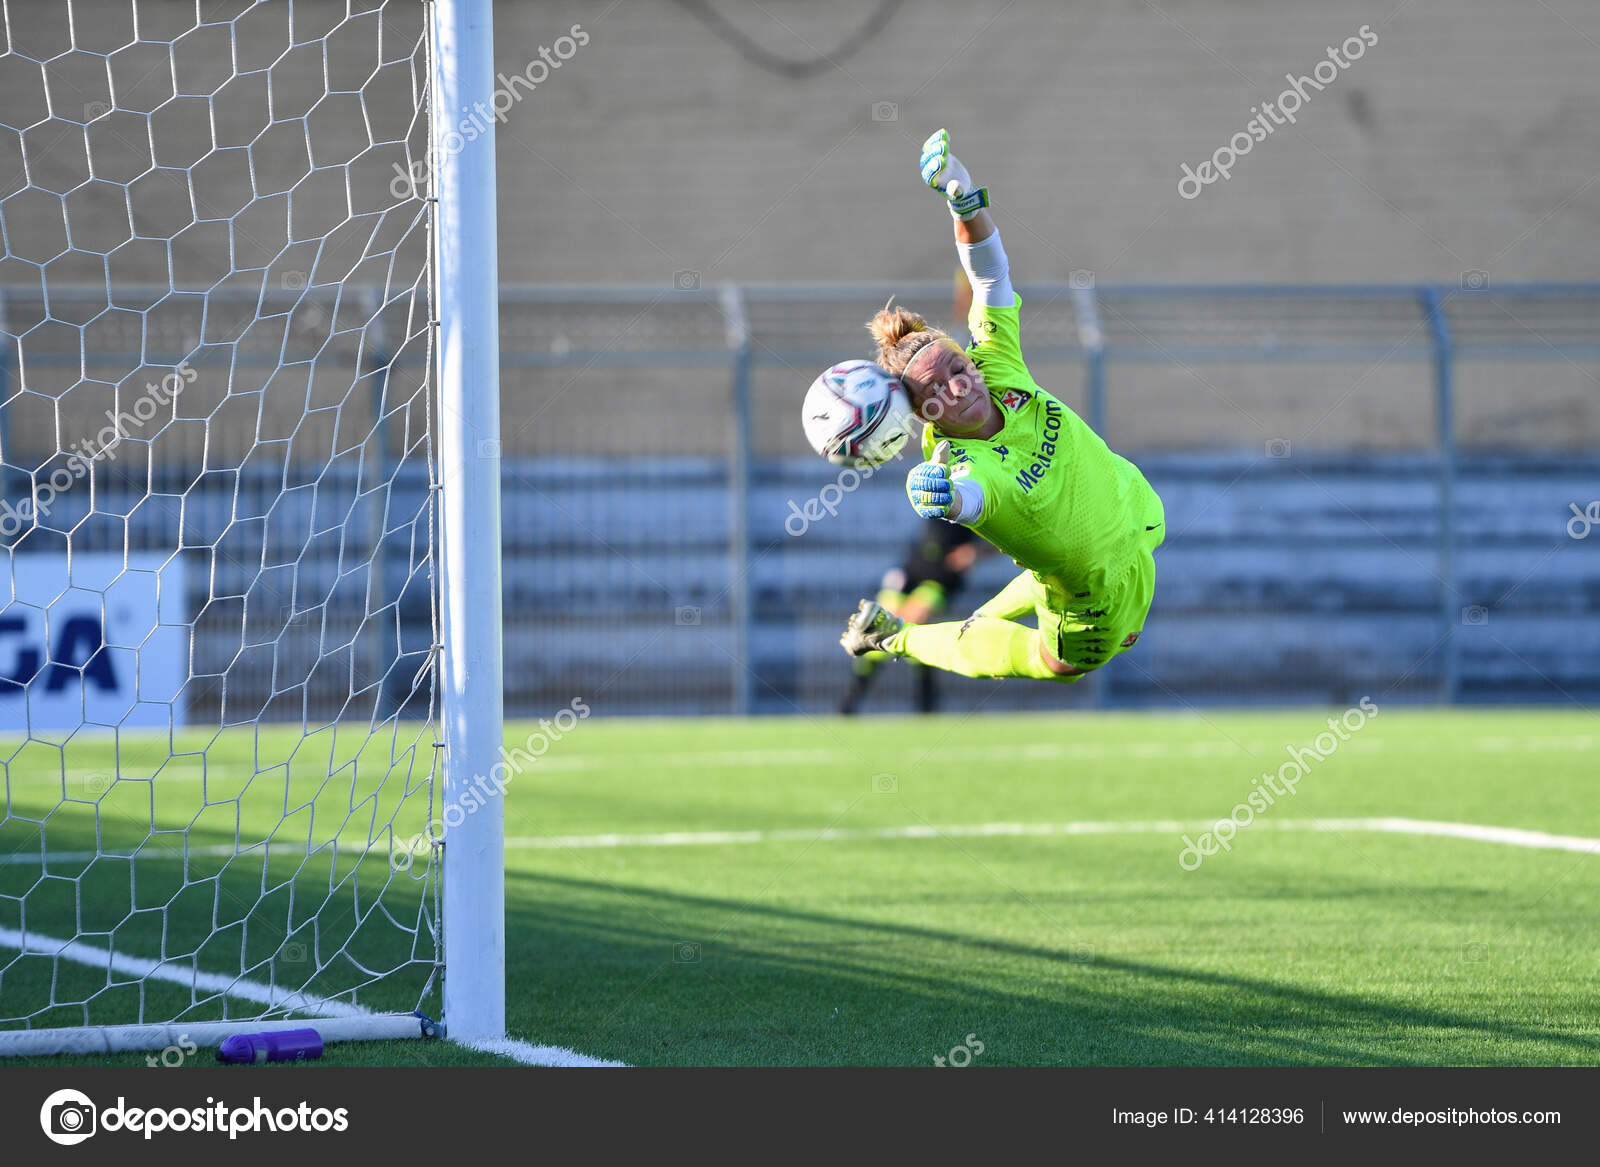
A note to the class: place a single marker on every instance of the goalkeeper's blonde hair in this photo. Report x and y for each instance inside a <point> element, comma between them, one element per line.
<point>900,335</point>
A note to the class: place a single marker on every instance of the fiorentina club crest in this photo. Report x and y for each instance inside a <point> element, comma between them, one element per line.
<point>1015,399</point>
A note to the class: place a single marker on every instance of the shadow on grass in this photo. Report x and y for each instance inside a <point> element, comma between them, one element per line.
<point>659,977</point>
<point>652,976</point>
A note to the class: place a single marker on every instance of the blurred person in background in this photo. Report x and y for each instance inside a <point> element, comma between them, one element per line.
<point>918,591</point>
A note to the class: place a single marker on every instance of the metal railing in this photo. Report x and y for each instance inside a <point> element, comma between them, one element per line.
<point>649,437</point>
<point>1109,336</point>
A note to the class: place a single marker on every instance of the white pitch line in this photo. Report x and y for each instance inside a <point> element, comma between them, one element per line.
<point>139,968</point>
<point>1505,836</point>
<point>1475,832</point>
<point>142,969</point>
<point>207,851</point>
<point>829,835</point>
<point>709,759</point>
<point>539,1055</point>
<point>220,773</point>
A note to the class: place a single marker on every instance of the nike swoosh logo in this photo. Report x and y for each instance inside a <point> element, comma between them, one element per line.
<point>1152,528</point>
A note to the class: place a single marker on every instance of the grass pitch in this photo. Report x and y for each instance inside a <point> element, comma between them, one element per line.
<point>778,892</point>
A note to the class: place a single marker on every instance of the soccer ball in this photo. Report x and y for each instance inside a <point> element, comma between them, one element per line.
<point>857,414</point>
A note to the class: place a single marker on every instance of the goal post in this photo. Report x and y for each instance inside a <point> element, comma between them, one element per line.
<point>469,463</point>
<point>250,659</point>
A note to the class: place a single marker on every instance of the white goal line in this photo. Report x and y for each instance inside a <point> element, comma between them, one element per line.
<point>319,1011</point>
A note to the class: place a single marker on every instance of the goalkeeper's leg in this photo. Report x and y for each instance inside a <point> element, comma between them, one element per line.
<point>990,643</point>
<point>1073,637</point>
<point>982,646</point>
<point>1017,598</point>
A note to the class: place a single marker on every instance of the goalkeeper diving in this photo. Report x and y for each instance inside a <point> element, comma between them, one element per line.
<point>1009,460</point>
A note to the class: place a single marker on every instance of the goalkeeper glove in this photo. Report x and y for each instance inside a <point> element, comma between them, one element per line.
<point>928,485</point>
<point>943,171</point>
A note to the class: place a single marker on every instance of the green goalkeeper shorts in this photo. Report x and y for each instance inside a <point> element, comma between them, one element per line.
<point>1088,629</point>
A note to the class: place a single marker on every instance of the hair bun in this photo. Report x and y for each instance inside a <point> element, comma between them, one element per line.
<point>892,325</point>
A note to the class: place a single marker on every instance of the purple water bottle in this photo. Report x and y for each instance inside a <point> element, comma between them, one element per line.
<point>282,1045</point>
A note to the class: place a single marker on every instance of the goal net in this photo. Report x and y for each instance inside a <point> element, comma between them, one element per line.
<point>220,574</point>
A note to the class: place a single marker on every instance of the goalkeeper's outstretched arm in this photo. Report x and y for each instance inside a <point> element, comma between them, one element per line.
<point>942,378</point>
<point>977,239</point>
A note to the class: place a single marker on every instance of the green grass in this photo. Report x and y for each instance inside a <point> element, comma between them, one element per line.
<point>1293,948</point>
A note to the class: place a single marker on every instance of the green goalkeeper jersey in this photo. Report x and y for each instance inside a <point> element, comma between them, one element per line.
<point>1055,497</point>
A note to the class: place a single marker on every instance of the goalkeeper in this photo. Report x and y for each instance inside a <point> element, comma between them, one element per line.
<point>1012,462</point>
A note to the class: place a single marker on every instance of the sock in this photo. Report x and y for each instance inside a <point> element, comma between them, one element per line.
<point>1015,599</point>
<point>981,647</point>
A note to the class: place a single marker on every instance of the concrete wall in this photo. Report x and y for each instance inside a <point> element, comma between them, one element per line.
<point>248,167</point>
<point>714,136</point>
<point>1465,139</point>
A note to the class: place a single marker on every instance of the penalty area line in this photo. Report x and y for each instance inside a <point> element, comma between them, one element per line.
<point>1473,832</point>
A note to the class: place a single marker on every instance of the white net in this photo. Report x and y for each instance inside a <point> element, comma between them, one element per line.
<point>217,614</point>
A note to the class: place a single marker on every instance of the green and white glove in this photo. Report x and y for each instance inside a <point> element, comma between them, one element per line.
<point>943,171</point>
<point>929,488</point>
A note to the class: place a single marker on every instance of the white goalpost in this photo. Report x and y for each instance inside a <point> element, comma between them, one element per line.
<point>250,627</point>
<point>469,454</point>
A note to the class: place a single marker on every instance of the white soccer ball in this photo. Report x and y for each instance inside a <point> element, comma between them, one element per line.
<point>857,414</point>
